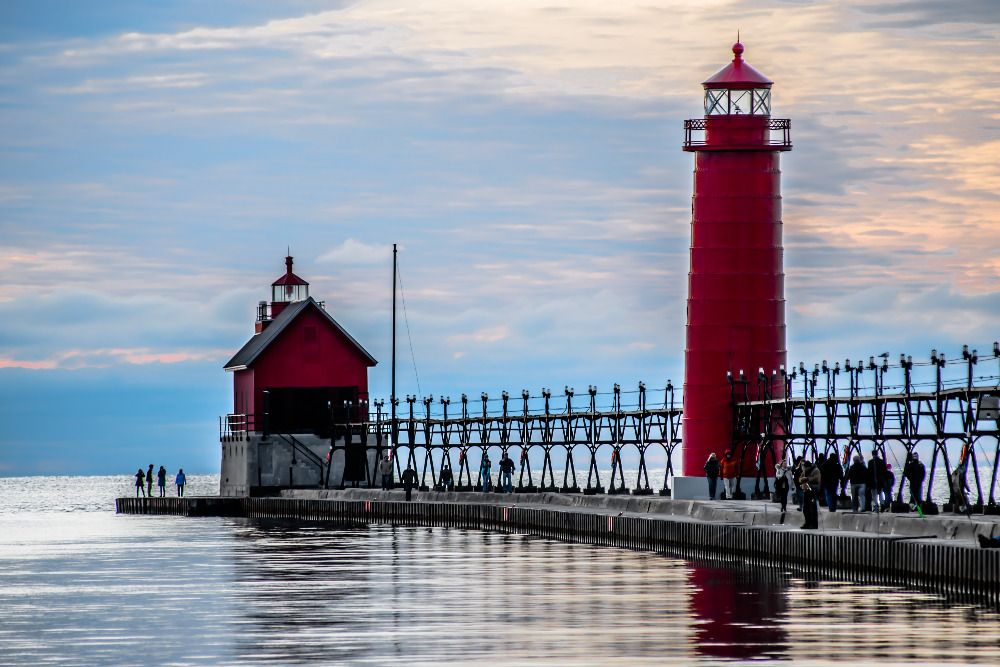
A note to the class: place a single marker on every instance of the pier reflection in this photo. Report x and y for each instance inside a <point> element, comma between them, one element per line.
<point>393,595</point>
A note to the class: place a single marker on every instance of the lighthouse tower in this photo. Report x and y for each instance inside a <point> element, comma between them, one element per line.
<point>736,302</point>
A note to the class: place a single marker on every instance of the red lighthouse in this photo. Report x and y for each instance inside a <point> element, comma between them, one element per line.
<point>736,301</point>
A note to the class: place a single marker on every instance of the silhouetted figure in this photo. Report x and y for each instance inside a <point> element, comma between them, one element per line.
<point>140,483</point>
<point>811,481</point>
<point>161,480</point>
<point>447,479</point>
<point>180,481</point>
<point>506,470</point>
<point>711,469</point>
<point>409,480</point>
<point>857,476</point>
<point>832,473</point>
<point>914,472</point>
<point>149,481</point>
<point>484,473</point>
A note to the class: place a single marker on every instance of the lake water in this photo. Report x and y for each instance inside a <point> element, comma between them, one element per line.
<point>82,586</point>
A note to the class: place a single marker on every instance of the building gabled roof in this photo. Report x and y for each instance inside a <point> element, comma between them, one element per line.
<point>253,348</point>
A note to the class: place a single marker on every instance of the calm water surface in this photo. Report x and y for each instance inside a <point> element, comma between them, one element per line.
<point>82,586</point>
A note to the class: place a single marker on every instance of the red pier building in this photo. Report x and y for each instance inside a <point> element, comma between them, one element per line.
<point>299,375</point>
<point>736,301</point>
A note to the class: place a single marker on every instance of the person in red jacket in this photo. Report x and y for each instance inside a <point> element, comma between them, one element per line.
<point>728,474</point>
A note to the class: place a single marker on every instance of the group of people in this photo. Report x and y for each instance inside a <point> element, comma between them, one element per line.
<point>144,482</point>
<point>871,484</point>
<point>446,479</point>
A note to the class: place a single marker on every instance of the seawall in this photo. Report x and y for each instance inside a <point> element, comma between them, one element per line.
<point>720,534</point>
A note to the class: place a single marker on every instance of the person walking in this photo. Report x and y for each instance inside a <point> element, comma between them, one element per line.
<point>811,482</point>
<point>161,480</point>
<point>149,481</point>
<point>728,474</point>
<point>506,470</point>
<point>857,476</point>
<point>796,474</point>
<point>484,473</point>
<point>781,484</point>
<point>385,469</point>
<point>180,481</point>
<point>711,469</point>
<point>140,483</point>
<point>914,472</point>
<point>409,480</point>
<point>832,473</point>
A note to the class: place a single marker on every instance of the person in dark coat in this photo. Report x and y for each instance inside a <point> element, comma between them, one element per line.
<point>161,480</point>
<point>140,483</point>
<point>857,477</point>
<point>149,481</point>
<point>506,470</point>
<point>832,473</point>
<point>711,469</point>
<point>447,478</point>
<point>877,478</point>
<point>409,480</point>
<point>914,472</point>
<point>812,484</point>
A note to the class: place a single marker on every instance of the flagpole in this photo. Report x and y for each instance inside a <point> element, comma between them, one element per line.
<point>392,397</point>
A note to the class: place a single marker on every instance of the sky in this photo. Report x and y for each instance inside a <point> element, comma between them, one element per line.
<point>157,160</point>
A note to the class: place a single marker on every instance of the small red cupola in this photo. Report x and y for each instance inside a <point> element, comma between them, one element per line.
<point>286,289</point>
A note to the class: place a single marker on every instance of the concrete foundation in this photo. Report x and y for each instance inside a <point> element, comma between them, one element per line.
<point>256,465</point>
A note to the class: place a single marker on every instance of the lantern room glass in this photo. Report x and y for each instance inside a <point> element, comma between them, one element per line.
<point>282,293</point>
<point>737,101</point>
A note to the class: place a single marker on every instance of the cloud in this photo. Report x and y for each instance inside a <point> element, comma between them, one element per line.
<point>357,253</point>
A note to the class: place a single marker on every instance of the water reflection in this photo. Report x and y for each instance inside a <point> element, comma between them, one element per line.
<point>739,612</point>
<point>417,595</point>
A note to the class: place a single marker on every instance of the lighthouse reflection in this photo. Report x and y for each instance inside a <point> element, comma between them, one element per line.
<point>737,613</point>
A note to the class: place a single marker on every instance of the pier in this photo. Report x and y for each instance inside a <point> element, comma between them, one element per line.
<point>937,552</point>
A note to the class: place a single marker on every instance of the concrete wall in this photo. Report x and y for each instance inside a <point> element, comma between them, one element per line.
<point>252,465</point>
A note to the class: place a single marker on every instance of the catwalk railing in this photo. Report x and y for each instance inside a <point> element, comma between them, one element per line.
<point>951,416</point>
<point>535,437</point>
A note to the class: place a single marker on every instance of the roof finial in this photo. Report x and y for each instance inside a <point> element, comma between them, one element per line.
<point>737,48</point>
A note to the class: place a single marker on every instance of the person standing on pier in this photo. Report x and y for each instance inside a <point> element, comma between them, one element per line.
<point>409,480</point>
<point>857,475</point>
<point>180,481</point>
<point>506,470</point>
<point>484,473</point>
<point>385,469</point>
<point>782,484</point>
<point>914,472</point>
<point>832,473</point>
<point>161,480</point>
<point>140,483</point>
<point>149,481</point>
<point>447,479</point>
<point>728,474</point>
<point>711,468</point>
<point>811,482</point>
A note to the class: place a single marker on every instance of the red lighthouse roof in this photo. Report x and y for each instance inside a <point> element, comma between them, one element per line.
<point>737,74</point>
<point>289,278</point>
